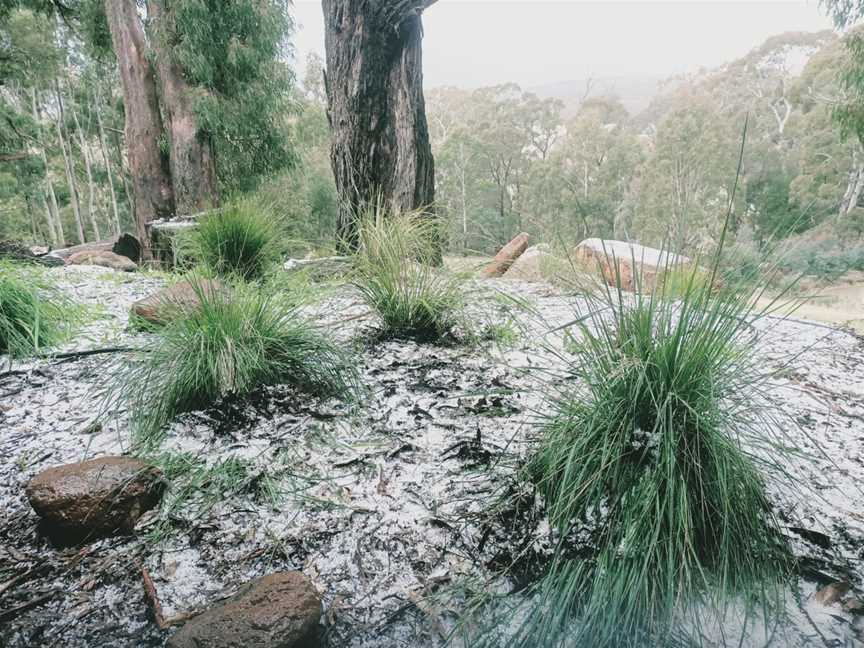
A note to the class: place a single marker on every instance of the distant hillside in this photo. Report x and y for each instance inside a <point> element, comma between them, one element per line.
<point>636,93</point>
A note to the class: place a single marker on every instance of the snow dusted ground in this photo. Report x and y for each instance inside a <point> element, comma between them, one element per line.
<point>385,505</point>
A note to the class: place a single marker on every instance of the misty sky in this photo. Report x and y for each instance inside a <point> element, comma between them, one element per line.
<point>483,42</point>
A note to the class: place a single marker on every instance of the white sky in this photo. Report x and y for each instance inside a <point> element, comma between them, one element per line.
<point>533,42</point>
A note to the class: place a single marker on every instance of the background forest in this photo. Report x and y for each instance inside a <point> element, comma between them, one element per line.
<point>507,159</point>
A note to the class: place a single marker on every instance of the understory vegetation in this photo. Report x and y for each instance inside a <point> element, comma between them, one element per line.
<point>240,241</point>
<point>398,273</point>
<point>33,316</point>
<point>235,342</point>
<point>650,472</point>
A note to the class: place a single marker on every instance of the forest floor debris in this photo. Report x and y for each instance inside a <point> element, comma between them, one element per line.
<point>386,506</point>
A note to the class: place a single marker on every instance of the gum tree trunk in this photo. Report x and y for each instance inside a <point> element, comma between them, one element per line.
<point>193,168</point>
<point>151,183</point>
<point>380,140</point>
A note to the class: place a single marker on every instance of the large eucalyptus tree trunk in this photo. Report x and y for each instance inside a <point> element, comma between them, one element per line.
<point>151,182</point>
<point>380,141</point>
<point>193,168</point>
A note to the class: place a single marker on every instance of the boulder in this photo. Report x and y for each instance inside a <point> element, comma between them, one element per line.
<point>632,261</point>
<point>535,264</point>
<point>103,258</point>
<point>174,301</point>
<point>281,610</point>
<point>506,256</point>
<point>93,498</point>
<point>831,594</point>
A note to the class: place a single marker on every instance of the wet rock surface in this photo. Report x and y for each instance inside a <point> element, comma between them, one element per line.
<point>276,611</point>
<point>88,499</point>
<point>104,259</point>
<point>388,508</point>
<point>169,303</point>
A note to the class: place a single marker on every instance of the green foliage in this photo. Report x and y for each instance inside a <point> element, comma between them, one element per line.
<point>396,276</point>
<point>195,486</point>
<point>305,195</point>
<point>242,241</point>
<point>849,112</point>
<point>234,343</point>
<point>644,463</point>
<point>32,316</point>
<point>844,12</point>
<point>826,258</point>
<point>235,53</point>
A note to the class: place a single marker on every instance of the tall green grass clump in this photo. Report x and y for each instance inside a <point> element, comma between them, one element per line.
<point>240,241</point>
<point>397,271</point>
<point>32,316</point>
<point>649,471</point>
<point>234,342</point>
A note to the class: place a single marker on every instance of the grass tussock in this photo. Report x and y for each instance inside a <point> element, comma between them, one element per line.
<point>240,241</point>
<point>651,470</point>
<point>398,273</point>
<point>234,342</point>
<point>648,457</point>
<point>33,317</point>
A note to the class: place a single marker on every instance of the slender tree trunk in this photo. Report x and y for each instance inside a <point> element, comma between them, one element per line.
<point>854,187</point>
<point>193,168</point>
<point>67,163</point>
<point>153,194</point>
<point>91,186</point>
<point>107,159</point>
<point>55,226</point>
<point>49,220</point>
<point>380,140</point>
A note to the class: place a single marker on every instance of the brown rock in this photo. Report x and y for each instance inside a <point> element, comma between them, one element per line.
<point>854,606</point>
<point>633,262</point>
<point>506,256</point>
<point>103,258</point>
<point>175,301</point>
<point>93,498</point>
<point>280,610</point>
<point>537,263</point>
<point>831,594</point>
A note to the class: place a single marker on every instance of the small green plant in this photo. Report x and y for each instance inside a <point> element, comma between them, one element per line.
<point>195,486</point>
<point>397,273</point>
<point>241,241</point>
<point>33,316</point>
<point>233,342</point>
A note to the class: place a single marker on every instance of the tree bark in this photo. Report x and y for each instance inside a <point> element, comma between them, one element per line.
<point>193,168</point>
<point>380,147</point>
<point>107,159</point>
<point>53,212</point>
<point>91,186</point>
<point>153,194</point>
<point>67,164</point>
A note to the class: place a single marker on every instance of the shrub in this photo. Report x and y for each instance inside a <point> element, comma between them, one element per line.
<point>647,471</point>
<point>233,343</point>
<point>241,240</point>
<point>397,273</point>
<point>32,316</point>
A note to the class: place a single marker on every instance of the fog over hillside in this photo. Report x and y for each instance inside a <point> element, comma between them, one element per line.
<point>634,92</point>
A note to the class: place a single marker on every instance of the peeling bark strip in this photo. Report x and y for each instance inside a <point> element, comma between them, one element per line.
<point>193,169</point>
<point>375,106</point>
<point>151,183</point>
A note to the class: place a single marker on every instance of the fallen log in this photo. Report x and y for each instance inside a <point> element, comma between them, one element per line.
<point>506,256</point>
<point>19,252</point>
